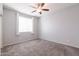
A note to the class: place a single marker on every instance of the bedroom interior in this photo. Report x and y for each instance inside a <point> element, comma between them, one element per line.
<point>39,29</point>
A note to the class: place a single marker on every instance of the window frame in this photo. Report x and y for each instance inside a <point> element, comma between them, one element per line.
<point>17,23</point>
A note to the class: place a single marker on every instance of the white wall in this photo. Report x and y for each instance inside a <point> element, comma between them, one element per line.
<point>0,30</point>
<point>61,27</point>
<point>0,33</point>
<point>1,9</point>
<point>0,27</point>
<point>9,29</point>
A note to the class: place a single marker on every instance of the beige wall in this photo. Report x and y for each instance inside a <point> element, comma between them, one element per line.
<point>61,27</point>
<point>9,29</point>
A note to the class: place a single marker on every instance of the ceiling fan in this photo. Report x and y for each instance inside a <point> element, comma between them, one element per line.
<point>39,8</point>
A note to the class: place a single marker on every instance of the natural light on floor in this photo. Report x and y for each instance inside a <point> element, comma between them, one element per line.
<point>25,24</point>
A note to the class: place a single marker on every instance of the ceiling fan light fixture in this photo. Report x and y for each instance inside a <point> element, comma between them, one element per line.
<point>39,10</point>
<point>40,7</point>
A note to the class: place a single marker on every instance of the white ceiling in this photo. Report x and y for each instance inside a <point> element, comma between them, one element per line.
<point>25,7</point>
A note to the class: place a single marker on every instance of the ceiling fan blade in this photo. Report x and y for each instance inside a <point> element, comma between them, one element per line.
<point>34,11</point>
<point>33,6</point>
<point>38,5</point>
<point>42,4</point>
<point>45,9</point>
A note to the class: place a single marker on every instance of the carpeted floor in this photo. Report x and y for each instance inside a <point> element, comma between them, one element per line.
<point>39,48</point>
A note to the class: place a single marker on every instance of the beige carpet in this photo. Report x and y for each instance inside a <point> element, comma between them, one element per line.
<point>39,48</point>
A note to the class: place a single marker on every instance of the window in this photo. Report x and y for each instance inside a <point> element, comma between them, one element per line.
<point>25,24</point>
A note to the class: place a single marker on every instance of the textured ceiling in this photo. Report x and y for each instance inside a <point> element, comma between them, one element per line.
<point>25,7</point>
